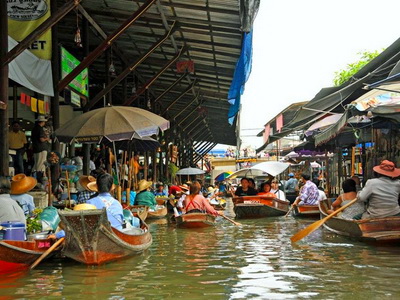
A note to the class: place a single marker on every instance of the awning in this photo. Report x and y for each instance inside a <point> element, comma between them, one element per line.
<point>333,130</point>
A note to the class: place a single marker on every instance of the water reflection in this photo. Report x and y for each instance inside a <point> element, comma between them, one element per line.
<point>255,260</point>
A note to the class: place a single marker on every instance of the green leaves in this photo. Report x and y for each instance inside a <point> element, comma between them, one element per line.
<point>344,75</point>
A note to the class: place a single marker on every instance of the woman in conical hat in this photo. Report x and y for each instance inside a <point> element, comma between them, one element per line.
<point>20,186</point>
<point>144,196</point>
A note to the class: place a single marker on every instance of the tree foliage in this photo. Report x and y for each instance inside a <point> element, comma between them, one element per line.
<point>343,75</point>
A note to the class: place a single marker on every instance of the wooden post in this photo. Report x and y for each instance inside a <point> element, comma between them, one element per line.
<point>4,156</point>
<point>353,160</point>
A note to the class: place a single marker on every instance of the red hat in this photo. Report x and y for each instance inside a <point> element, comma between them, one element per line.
<point>387,168</point>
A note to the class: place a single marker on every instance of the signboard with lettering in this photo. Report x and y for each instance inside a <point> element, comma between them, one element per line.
<point>80,83</point>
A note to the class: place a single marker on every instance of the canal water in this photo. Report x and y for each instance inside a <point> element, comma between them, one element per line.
<point>253,261</point>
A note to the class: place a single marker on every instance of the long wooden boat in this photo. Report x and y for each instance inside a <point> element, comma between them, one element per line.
<point>140,211</point>
<point>306,211</point>
<point>195,220</point>
<point>259,207</point>
<point>90,239</point>
<point>18,255</point>
<point>379,230</point>
<point>157,214</point>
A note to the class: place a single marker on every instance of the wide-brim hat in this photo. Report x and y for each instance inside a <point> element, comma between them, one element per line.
<point>144,185</point>
<point>84,180</point>
<point>22,184</point>
<point>41,119</point>
<point>84,206</point>
<point>184,187</point>
<point>92,186</point>
<point>387,168</point>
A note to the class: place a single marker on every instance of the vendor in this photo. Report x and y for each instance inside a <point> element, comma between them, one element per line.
<point>9,208</point>
<point>381,194</point>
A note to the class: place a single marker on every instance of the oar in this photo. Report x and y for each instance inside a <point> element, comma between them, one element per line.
<point>289,211</point>
<point>48,251</point>
<point>230,220</point>
<point>314,226</point>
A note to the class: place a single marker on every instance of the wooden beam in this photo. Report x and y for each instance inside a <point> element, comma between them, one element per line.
<point>189,88</point>
<point>167,90</point>
<point>104,45</point>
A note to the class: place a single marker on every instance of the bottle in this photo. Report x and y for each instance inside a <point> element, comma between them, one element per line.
<point>176,213</point>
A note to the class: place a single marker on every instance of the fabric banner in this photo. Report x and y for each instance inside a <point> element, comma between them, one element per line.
<point>30,71</point>
<point>41,107</point>
<point>34,104</point>
<point>24,16</point>
<point>279,123</point>
<point>267,131</point>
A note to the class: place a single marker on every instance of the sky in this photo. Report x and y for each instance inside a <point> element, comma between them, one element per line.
<point>299,45</point>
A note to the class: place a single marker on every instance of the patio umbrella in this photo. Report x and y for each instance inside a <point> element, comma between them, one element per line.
<point>136,144</point>
<point>190,171</point>
<point>222,176</point>
<point>115,123</point>
<point>272,168</point>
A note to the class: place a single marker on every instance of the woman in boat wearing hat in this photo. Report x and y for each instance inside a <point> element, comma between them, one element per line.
<point>20,186</point>
<point>196,202</point>
<point>381,194</point>
<point>86,194</point>
<point>144,196</point>
<point>9,208</point>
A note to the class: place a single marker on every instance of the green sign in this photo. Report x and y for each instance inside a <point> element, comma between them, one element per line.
<point>81,82</point>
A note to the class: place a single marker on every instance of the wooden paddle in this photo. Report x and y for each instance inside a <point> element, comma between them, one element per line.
<point>314,226</point>
<point>289,211</point>
<point>48,251</point>
<point>230,220</point>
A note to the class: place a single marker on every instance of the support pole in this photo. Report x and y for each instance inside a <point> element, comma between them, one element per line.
<point>187,116</point>
<point>128,70</point>
<point>104,45</point>
<point>40,30</point>
<point>190,103</point>
<point>194,120</point>
<point>179,97</point>
<point>151,81</point>
<point>4,156</point>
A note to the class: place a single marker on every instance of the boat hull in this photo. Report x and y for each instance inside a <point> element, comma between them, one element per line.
<point>250,207</point>
<point>140,211</point>
<point>306,211</point>
<point>92,241</point>
<point>195,220</point>
<point>18,255</point>
<point>379,230</point>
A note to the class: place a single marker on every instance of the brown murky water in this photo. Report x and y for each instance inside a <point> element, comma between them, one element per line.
<point>255,261</point>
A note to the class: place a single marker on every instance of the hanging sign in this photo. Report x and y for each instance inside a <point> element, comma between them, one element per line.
<point>80,83</point>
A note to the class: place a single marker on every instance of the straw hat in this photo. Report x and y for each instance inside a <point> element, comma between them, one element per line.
<point>210,189</point>
<point>84,180</point>
<point>144,184</point>
<point>386,168</point>
<point>84,206</point>
<point>41,118</point>
<point>92,186</point>
<point>22,184</point>
<point>184,187</point>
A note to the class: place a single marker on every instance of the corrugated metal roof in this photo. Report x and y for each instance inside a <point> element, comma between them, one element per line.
<point>209,28</point>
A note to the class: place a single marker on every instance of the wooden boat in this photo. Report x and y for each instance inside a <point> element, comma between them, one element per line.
<point>259,207</point>
<point>380,230</point>
<point>306,211</point>
<point>19,255</point>
<point>140,211</point>
<point>90,239</point>
<point>195,220</point>
<point>157,214</point>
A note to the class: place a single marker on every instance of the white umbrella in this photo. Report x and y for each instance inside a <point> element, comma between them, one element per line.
<point>190,171</point>
<point>272,168</point>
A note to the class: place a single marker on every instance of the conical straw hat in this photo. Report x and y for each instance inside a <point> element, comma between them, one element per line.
<point>22,184</point>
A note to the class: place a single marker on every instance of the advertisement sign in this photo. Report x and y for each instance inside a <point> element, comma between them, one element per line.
<point>24,16</point>
<point>80,83</point>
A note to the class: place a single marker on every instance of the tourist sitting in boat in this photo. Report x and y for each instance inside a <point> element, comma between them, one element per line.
<point>182,195</point>
<point>275,190</point>
<point>9,208</point>
<point>245,189</point>
<point>381,194</point>
<point>173,189</point>
<point>309,193</point>
<point>20,186</point>
<point>265,188</point>
<point>252,183</point>
<point>85,193</point>
<point>160,192</point>
<point>144,196</point>
<point>103,185</point>
<point>196,203</point>
<point>349,188</point>
<point>291,186</point>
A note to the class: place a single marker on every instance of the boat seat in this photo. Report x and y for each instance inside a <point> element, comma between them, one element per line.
<point>132,231</point>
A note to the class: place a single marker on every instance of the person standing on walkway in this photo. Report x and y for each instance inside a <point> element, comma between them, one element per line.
<point>40,146</point>
<point>17,142</point>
